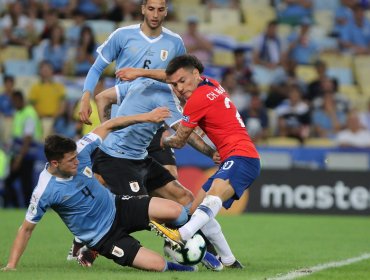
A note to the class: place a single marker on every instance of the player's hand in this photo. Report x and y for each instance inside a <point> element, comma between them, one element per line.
<point>159,114</point>
<point>128,73</point>
<point>216,157</point>
<point>6,268</point>
<point>85,109</point>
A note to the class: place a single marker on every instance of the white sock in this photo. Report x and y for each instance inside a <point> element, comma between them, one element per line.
<point>207,210</point>
<point>212,230</point>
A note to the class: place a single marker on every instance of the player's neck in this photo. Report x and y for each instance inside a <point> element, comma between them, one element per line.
<point>149,31</point>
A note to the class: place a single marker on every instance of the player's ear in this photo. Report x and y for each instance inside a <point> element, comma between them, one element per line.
<point>143,9</point>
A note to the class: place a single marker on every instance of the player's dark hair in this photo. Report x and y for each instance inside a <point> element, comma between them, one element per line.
<point>146,1</point>
<point>186,61</point>
<point>56,146</point>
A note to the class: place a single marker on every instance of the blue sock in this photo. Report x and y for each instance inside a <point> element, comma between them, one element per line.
<point>182,219</point>
<point>170,266</point>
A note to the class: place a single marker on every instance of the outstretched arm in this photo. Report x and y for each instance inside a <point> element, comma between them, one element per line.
<point>157,115</point>
<point>105,99</point>
<point>129,74</point>
<point>19,244</point>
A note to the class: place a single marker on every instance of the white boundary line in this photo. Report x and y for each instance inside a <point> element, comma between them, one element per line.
<point>307,271</point>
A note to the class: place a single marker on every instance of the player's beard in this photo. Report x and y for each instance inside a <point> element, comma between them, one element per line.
<point>154,27</point>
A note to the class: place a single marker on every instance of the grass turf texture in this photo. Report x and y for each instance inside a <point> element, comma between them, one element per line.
<point>267,244</point>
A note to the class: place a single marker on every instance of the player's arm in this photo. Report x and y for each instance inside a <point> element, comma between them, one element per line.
<point>104,100</point>
<point>90,83</point>
<point>157,115</point>
<point>185,135</point>
<point>19,244</point>
<point>129,74</point>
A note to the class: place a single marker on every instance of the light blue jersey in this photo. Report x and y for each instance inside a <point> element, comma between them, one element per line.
<point>130,47</point>
<point>85,206</point>
<point>140,96</point>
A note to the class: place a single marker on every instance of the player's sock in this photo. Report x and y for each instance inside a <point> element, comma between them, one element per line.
<point>170,266</point>
<point>210,248</point>
<point>181,220</point>
<point>207,210</point>
<point>214,233</point>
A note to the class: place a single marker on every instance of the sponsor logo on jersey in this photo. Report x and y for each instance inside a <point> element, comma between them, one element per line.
<point>88,172</point>
<point>164,55</point>
<point>32,209</point>
<point>135,187</point>
<point>118,252</point>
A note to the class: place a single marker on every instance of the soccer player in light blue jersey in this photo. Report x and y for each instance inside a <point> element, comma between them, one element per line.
<point>102,220</point>
<point>147,45</point>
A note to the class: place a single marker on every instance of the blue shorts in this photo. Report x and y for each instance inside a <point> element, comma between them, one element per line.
<point>241,172</point>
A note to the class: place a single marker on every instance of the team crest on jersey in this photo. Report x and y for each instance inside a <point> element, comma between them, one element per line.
<point>135,187</point>
<point>164,55</point>
<point>118,252</point>
<point>88,172</point>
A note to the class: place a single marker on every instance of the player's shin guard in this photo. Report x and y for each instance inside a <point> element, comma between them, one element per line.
<point>207,210</point>
<point>212,230</point>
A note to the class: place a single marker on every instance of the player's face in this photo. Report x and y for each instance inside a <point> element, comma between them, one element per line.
<point>154,13</point>
<point>67,166</point>
<point>184,82</point>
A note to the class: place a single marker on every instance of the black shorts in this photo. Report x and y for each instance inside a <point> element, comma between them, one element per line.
<point>131,177</point>
<point>164,156</point>
<point>117,244</point>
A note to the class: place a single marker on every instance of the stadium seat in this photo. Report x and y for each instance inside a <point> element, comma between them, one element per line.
<point>186,9</point>
<point>306,72</point>
<point>223,58</point>
<point>13,52</point>
<point>324,19</point>
<point>218,16</point>
<point>101,26</point>
<point>343,75</point>
<point>283,142</point>
<point>16,67</point>
<point>337,60</point>
<point>319,142</point>
<point>255,3</point>
<point>24,83</point>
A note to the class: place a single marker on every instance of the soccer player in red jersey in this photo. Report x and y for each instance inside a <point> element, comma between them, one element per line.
<point>209,107</point>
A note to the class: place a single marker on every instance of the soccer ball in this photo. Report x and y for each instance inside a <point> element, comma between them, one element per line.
<point>190,254</point>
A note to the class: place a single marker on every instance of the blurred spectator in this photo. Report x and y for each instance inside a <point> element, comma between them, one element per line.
<point>256,119</point>
<point>92,9</point>
<point>343,15</point>
<point>355,37</point>
<point>301,47</point>
<point>292,11</point>
<point>238,95</point>
<point>17,28</point>
<point>86,52</point>
<point>197,44</point>
<point>326,119</point>
<point>294,116</point>
<point>282,82</point>
<point>365,117</point>
<point>55,49</point>
<point>315,87</point>
<point>125,10</point>
<point>51,20</point>
<point>73,32</point>
<point>65,124</point>
<point>354,135</point>
<point>26,133</point>
<point>243,74</point>
<point>327,85</point>
<point>6,110</point>
<point>47,96</point>
<point>64,8</point>
<point>267,48</point>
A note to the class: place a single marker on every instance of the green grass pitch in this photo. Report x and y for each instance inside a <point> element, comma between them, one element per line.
<point>268,245</point>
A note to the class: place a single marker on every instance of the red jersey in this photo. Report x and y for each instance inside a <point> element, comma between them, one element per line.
<point>210,108</point>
